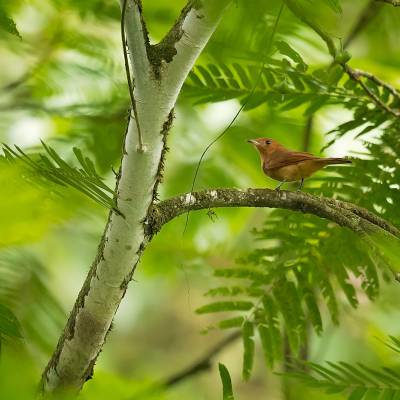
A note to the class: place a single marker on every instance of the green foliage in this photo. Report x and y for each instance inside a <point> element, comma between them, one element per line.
<point>248,346</point>
<point>357,381</point>
<point>285,82</point>
<point>307,262</point>
<point>304,271</point>
<point>38,208</point>
<point>50,166</point>
<point>227,391</point>
<point>7,24</point>
<point>9,325</point>
<point>23,273</point>
<point>293,280</point>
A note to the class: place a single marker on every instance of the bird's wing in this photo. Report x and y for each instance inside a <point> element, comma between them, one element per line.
<point>282,159</point>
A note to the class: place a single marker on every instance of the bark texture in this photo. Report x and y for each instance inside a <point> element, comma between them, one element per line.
<point>159,73</point>
<point>345,214</point>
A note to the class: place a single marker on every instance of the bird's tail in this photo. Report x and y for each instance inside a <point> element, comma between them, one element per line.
<point>334,160</point>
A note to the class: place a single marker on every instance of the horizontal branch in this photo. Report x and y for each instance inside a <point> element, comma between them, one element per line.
<point>345,214</point>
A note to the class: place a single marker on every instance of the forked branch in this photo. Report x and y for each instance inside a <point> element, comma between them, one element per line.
<point>352,73</point>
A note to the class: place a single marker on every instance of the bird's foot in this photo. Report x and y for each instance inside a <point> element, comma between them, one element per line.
<point>299,189</point>
<point>278,188</point>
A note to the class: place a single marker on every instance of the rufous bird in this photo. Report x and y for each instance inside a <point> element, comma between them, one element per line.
<point>285,165</point>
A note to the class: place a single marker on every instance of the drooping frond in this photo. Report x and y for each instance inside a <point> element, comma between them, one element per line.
<point>37,309</point>
<point>287,82</point>
<point>356,381</point>
<point>51,167</point>
<point>9,325</point>
<point>290,283</point>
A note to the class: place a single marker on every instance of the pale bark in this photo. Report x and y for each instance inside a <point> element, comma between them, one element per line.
<point>358,219</point>
<point>159,73</point>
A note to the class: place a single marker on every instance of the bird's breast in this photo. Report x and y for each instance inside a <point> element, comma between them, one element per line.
<point>293,172</point>
<point>288,173</point>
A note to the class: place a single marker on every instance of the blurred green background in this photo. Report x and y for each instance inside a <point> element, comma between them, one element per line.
<point>64,82</point>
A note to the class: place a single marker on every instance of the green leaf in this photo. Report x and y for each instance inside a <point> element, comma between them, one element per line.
<point>267,345</point>
<point>273,326</point>
<point>333,5</point>
<point>296,102</point>
<point>206,76</point>
<point>388,394</point>
<point>227,391</point>
<point>7,24</point>
<point>357,393</point>
<point>221,306</point>
<point>313,309</point>
<point>248,347</point>
<point>51,167</point>
<point>235,322</point>
<point>9,325</point>
<point>286,50</point>
<point>287,297</point>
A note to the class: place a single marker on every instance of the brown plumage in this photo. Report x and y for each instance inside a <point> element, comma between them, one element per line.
<point>285,165</point>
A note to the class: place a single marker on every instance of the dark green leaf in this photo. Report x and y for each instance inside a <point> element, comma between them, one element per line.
<point>7,24</point>
<point>236,322</point>
<point>248,347</point>
<point>227,391</point>
<point>225,306</point>
<point>9,325</point>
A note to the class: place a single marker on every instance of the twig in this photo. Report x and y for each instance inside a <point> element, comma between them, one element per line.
<point>368,13</point>
<point>202,364</point>
<point>298,12</point>
<point>49,49</point>
<point>128,77</point>
<point>395,3</point>
<point>378,81</point>
<point>355,76</point>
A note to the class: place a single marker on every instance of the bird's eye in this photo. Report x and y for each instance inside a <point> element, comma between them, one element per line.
<point>267,142</point>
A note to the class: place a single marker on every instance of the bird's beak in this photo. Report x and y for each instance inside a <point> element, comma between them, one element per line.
<point>252,141</point>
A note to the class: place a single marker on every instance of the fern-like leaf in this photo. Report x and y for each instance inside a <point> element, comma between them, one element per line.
<point>356,381</point>
<point>51,167</point>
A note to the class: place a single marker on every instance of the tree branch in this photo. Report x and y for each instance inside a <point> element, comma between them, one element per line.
<point>128,76</point>
<point>395,3</point>
<point>137,38</point>
<point>202,364</point>
<point>299,13</point>
<point>368,13</point>
<point>352,73</point>
<point>125,237</point>
<point>179,47</point>
<point>356,77</point>
<point>344,214</point>
<point>378,81</point>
